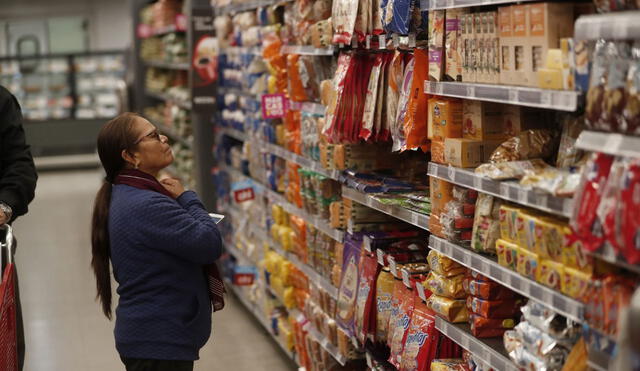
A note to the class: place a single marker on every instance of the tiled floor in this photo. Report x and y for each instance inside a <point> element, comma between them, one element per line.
<point>65,329</point>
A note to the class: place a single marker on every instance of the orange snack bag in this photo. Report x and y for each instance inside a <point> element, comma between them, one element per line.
<point>296,87</point>
<point>415,122</point>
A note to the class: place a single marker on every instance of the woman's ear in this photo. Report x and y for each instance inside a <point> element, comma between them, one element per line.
<point>129,158</point>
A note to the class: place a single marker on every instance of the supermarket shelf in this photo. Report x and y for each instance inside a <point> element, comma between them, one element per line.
<point>608,26</point>
<point>324,342</point>
<point>486,350</point>
<point>561,100</point>
<point>252,50</point>
<point>251,307</point>
<point>167,98</point>
<point>310,108</point>
<point>409,216</point>
<point>237,253</point>
<point>89,160</point>
<point>243,7</point>
<point>279,151</point>
<point>607,254</point>
<point>489,267</point>
<point>611,143</point>
<point>168,65</point>
<point>511,191</point>
<point>171,133</point>
<point>306,50</point>
<point>448,4</point>
<point>233,133</point>
<point>313,275</point>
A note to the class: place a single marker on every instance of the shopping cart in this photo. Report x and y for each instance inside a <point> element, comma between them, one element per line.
<point>8,339</point>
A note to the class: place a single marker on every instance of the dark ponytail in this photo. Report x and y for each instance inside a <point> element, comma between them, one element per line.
<point>114,137</point>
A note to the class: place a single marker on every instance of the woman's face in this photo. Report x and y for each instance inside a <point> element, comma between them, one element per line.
<point>152,151</point>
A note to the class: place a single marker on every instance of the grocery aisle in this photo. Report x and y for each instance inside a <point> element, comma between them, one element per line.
<point>64,326</point>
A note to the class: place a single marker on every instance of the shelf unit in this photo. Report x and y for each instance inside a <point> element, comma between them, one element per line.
<point>610,143</point>
<point>168,98</point>
<point>609,26</point>
<point>561,100</point>
<point>307,50</point>
<point>489,267</point>
<point>171,133</point>
<point>448,4</point>
<point>249,5</point>
<point>510,191</point>
<point>168,65</point>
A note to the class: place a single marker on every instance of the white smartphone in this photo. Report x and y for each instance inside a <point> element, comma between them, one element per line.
<point>217,218</point>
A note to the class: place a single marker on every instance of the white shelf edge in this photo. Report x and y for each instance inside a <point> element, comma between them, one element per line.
<point>611,143</point>
<point>326,344</point>
<point>426,5</point>
<point>247,6</point>
<point>307,50</point>
<point>185,104</point>
<point>484,351</point>
<point>168,65</point>
<point>510,191</point>
<point>553,299</point>
<point>406,215</point>
<point>562,100</point>
<point>622,25</point>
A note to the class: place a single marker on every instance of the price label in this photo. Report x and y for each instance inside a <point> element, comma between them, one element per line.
<point>382,41</point>
<point>415,218</point>
<point>421,292</point>
<point>367,42</point>
<point>513,95</point>
<point>392,266</point>
<point>522,195</point>
<point>412,40</point>
<point>451,171</point>
<point>405,278</point>
<point>396,40</point>
<point>243,195</point>
<point>545,98</point>
<point>380,255</point>
<point>471,91</point>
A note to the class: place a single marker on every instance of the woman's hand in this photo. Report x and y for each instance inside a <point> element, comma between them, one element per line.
<point>173,186</point>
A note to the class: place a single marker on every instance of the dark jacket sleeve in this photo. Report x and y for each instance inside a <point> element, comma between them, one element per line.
<point>17,171</point>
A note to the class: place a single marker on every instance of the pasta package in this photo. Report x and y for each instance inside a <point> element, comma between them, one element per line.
<point>454,311</point>
<point>450,287</point>
<point>444,265</point>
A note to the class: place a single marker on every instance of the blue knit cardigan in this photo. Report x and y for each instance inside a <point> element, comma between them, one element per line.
<point>158,249</point>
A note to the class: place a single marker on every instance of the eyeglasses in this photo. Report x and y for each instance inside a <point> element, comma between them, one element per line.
<point>155,135</point>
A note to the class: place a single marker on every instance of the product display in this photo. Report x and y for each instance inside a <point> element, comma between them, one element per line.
<point>410,195</point>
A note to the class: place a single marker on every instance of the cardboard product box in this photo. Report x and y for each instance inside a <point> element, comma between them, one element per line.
<point>453,39</point>
<point>494,48</point>
<point>568,64</point>
<point>517,119</point>
<point>446,115</point>
<point>548,23</point>
<point>549,78</point>
<point>468,42</point>
<point>520,44</point>
<point>461,152</point>
<point>436,44</point>
<point>437,151</point>
<point>441,192</point>
<point>506,52</point>
<point>479,23</point>
<point>482,120</point>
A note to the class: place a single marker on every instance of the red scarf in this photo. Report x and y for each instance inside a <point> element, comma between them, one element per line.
<point>142,180</point>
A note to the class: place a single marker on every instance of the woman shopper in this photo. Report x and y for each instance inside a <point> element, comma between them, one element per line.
<point>159,239</point>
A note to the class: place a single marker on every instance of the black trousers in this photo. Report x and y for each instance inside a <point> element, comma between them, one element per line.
<point>20,327</point>
<point>134,364</point>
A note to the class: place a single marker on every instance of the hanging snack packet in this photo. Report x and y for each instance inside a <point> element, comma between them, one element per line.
<point>396,300</point>
<point>395,74</point>
<point>400,142</point>
<point>333,109</point>
<point>454,311</point>
<point>397,14</point>
<point>421,341</point>
<point>631,112</point>
<point>384,296</point>
<point>343,15</point>
<point>345,314</point>
<point>486,225</point>
<point>584,220</point>
<point>366,296</point>
<point>371,103</point>
<point>629,218</point>
<point>415,122</point>
<point>381,125</point>
<point>399,332</point>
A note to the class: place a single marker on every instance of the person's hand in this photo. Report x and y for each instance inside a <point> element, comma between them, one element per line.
<point>3,218</point>
<point>173,186</point>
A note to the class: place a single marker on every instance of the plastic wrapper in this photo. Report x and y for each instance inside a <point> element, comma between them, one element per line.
<point>448,365</point>
<point>527,263</point>
<point>343,15</point>
<point>450,287</point>
<point>345,314</point>
<point>629,217</point>
<point>454,311</point>
<point>550,322</point>
<point>568,154</point>
<point>508,308</point>
<point>422,340</point>
<point>396,15</point>
<point>510,170</point>
<point>488,290</point>
<point>529,144</point>
<point>398,296</point>
<point>556,182</point>
<point>482,327</point>
<point>384,293</point>
<point>399,332</point>
<point>541,345</point>
<point>371,102</point>
<point>415,122</point>
<point>631,112</point>
<point>365,301</point>
<point>395,74</point>
<point>486,225</point>
<point>465,195</point>
<point>399,140</point>
<point>507,254</point>
<point>444,265</point>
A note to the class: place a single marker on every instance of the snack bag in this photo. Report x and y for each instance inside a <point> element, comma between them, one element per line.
<point>448,365</point>
<point>489,290</point>
<point>550,274</point>
<point>508,216</point>
<point>366,296</point>
<point>399,141</point>
<point>399,291</point>
<point>384,295</point>
<point>345,314</point>
<point>397,15</point>
<point>421,341</point>
<point>575,283</point>
<point>508,308</point>
<point>629,219</point>
<point>482,327</point>
<point>454,311</point>
<point>486,224</point>
<point>631,113</point>
<point>395,73</point>
<point>371,102</point>
<point>398,335</point>
<point>444,265</point>
<point>343,15</point>
<point>527,263</point>
<point>450,287</point>
<point>415,122</point>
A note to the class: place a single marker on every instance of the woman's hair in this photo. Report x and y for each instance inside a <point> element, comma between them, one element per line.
<point>114,137</point>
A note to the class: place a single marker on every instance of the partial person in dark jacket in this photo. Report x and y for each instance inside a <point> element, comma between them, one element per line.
<point>158,238</point>
<point>17,181</point>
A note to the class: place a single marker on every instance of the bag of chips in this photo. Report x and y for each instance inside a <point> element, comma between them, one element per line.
<point>366,296</point>
<point>421,341</point>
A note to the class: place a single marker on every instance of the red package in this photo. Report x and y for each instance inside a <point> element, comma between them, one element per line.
<point>482,327</point>
<point>365,299</point>
<point>421,342</point>
<point>495,308</point>
<point>611,204</point>
<point>630,212</point>
<point>334,113</point>
<point>397,335</point>
<point>617,292</point>
<point>585,220</point>
<point>415,122</point>
<point>489,290</point>
<point>398,294</point>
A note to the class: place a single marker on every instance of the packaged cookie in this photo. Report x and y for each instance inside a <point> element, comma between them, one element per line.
<point>454,311</point>
<point>527,263</point>
<point>527,145</point>
<point>482,327</point>
<point>489,290</point>
<point>444,265</point>
<point>507,253</point>
<point>451,287</point>
<point>550,274</point>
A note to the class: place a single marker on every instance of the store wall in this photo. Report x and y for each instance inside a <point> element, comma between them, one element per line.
<point>110,22</point>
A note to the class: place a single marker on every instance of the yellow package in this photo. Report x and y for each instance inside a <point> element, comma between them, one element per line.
<point>454,311</point>
<point>526,222</point>
<point>289,298</point>
<point>575,283</point>
<point>450,287</point>
<point>552,234</point>
<point>507,253</point>
<point>574,255</point>
<point>453,364</point>
<point>527,263</point>
<point>550,273</point>
<point>444,265</point>
<point>508,216</point>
